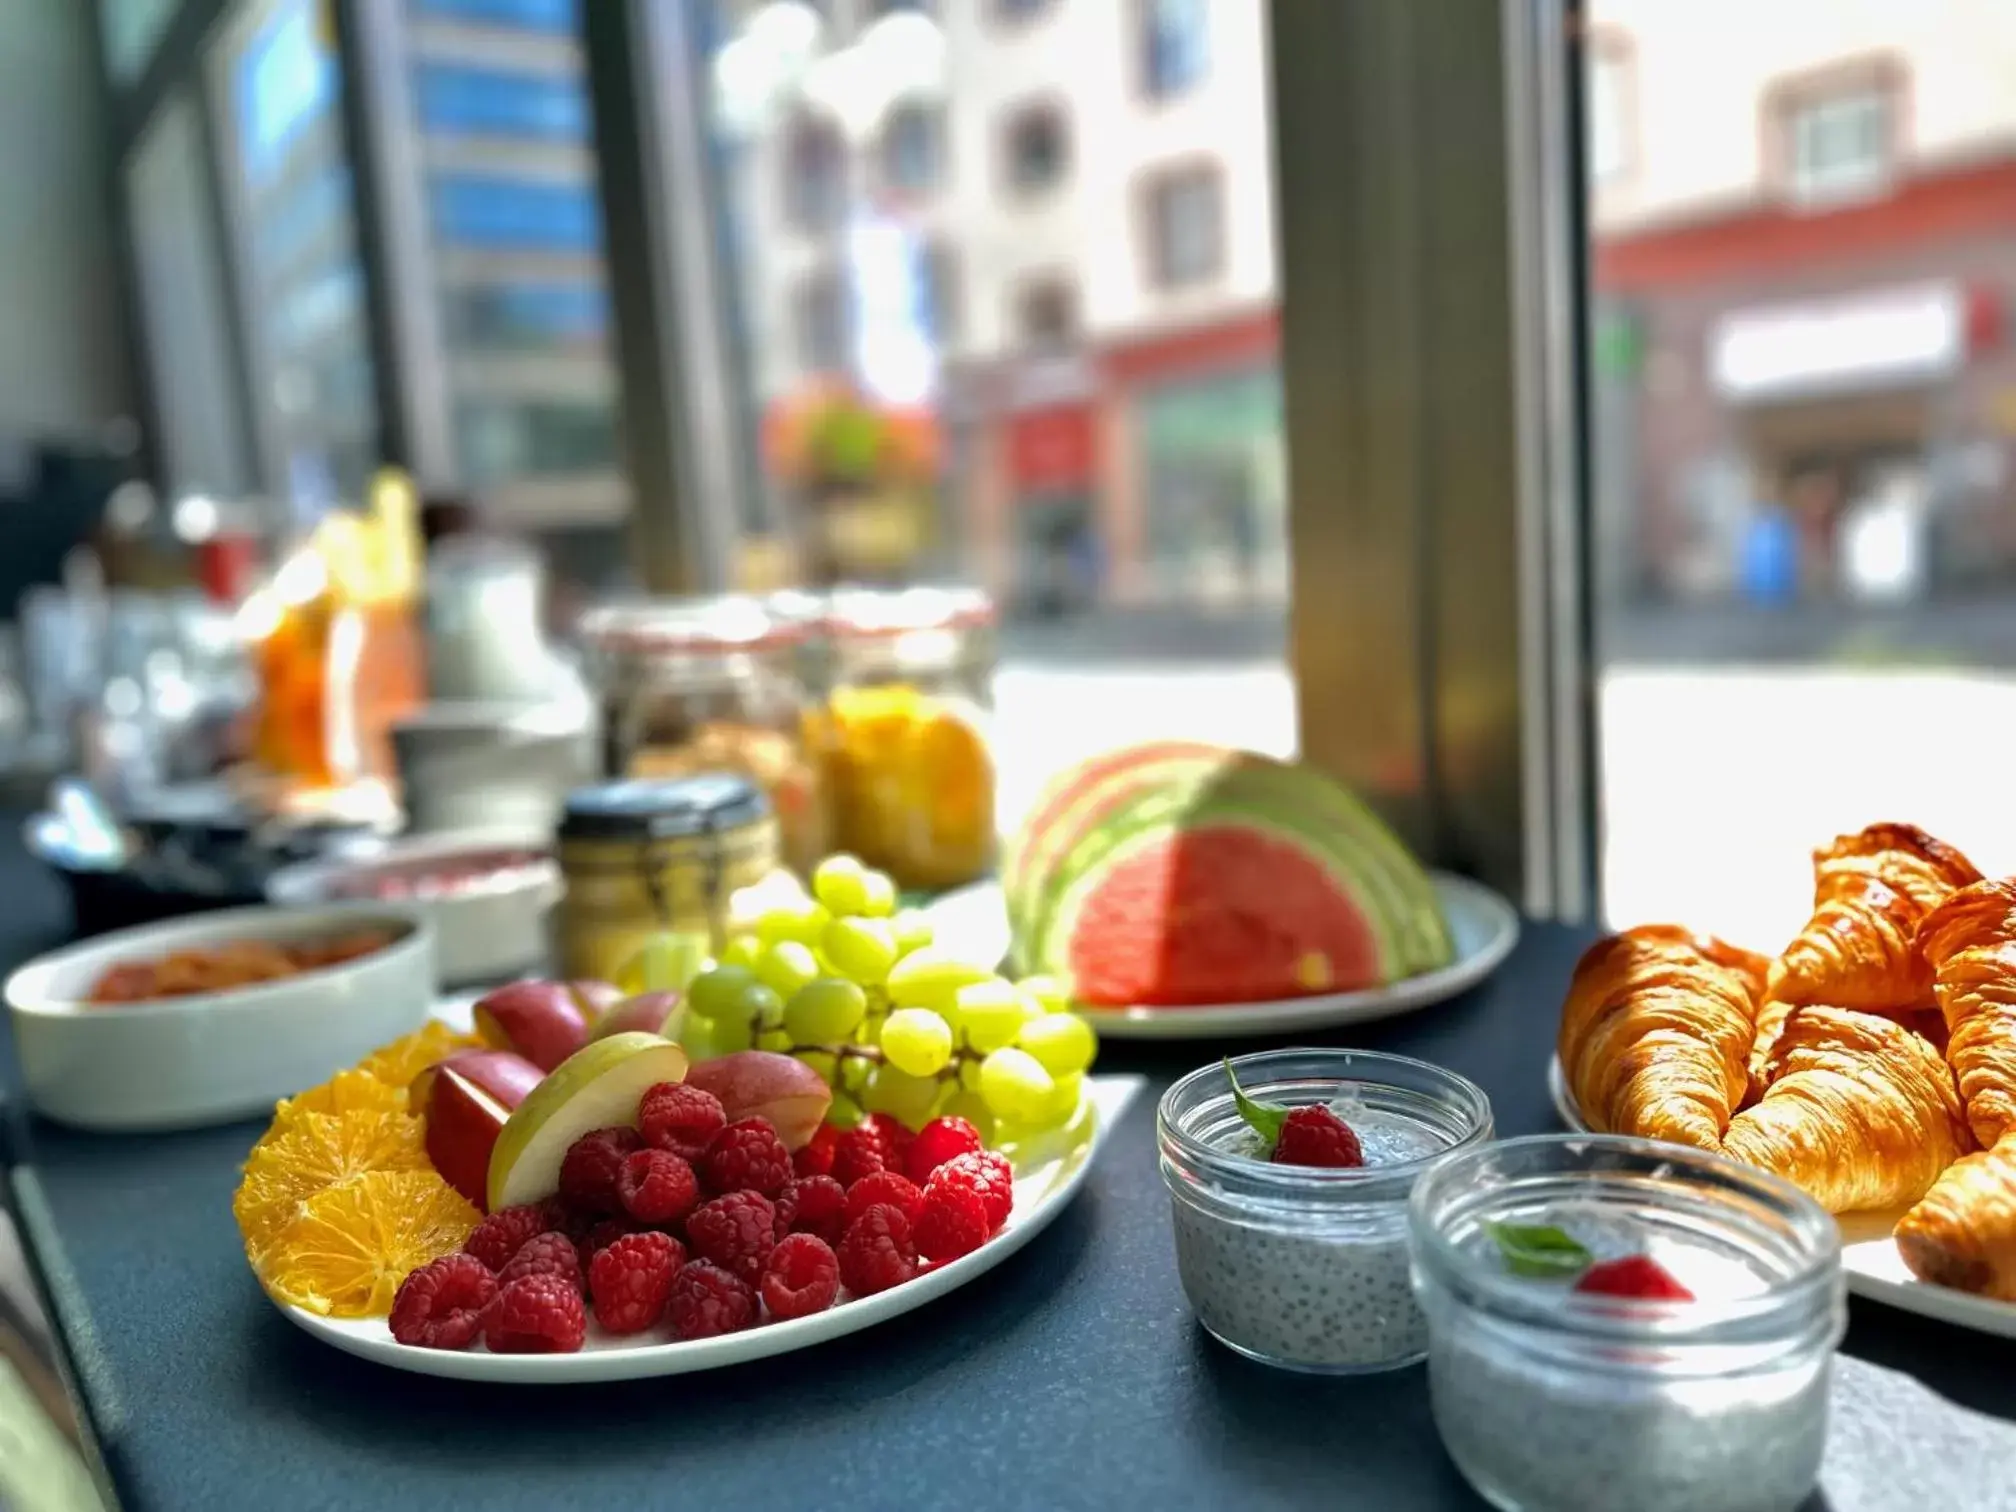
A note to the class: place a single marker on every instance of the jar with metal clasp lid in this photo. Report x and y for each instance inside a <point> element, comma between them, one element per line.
<point>709,685</point>
<point>644,857</point>
<point>902,731</point>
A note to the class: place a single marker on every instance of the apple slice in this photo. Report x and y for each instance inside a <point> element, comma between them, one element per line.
<point>596,1087</point>
<point>467,1099</point>
<point>648,1012</point>
<point>764,1084</point>
<point>543,1021</point>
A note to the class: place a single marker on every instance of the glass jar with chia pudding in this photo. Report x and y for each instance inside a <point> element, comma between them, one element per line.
<point>1306,1266</point>
<point>1622,1323</point>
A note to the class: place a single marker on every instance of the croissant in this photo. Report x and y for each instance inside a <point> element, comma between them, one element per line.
<point>1860,1112</point>
<point>1970,941</point>
<point>1964,1233</point>
<point>1870,891</point>
<point>1656,1031</point>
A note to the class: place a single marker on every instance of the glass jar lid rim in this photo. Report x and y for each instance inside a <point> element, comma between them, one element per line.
<point>663,808</point>
<point>726,623</point>
<point>865,612</point>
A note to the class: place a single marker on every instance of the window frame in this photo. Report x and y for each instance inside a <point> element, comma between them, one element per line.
<point>1141,14</point>
<point>1049,105</point>
<point>1023,290</point>
<point>1884,76</point>
<point>1163,178</point>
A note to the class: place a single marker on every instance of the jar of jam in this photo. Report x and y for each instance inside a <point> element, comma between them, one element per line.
<point>643,858</point>
<point>710,685</point>
<point>901,732</point>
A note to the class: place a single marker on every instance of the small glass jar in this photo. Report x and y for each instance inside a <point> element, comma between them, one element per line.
<point>1300,1266</point>
<point>710,685</point>
<point>1547,1397</point>
<point>906,684</point>
<point>643,858</point>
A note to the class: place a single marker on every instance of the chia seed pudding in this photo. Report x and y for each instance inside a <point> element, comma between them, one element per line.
<point>1547,1397</point>
<point>1301,1266</point>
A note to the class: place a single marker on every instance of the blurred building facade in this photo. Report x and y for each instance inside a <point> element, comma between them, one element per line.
<point>1804,260</point>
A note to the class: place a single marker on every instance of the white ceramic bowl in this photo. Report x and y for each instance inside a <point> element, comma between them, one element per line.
<point>485,930</point>
<point>182,1062</point>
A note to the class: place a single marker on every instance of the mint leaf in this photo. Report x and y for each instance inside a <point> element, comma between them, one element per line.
<point>1265,1118</point>
<point>1539,1250</point>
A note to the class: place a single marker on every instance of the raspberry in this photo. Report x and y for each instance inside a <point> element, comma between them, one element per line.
<point>588,1172</point>
<point>878,1252</point>
<point>706,1300</point>
<point>747,1156</point>
<point>954,1222</point>
<point>1634,1276</point>
<point>813,1205</point>
<point>631,1281</point>
<point>504,1232</point>
<point>1312,1135</point>
<point>802,1278</point>
<point>440,1305</point>
<point>679,1118</point>
<point>900,1192</point>
<point>551,1254</point>
<point>538,1315</point>
<point>859,1152</point>
<point>736,1232</point>
<point>815,1157</point>
<point>896,1140</point>
<point>985,1173</point>
<point>600,1237</point>
<point>656,1186</point>
<point>937,1142</point>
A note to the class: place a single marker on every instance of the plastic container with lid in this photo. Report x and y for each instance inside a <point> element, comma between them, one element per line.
<point>710,684</point>
<point>1547,1396</point>
<point>902,733</point>
<point>644,857</point>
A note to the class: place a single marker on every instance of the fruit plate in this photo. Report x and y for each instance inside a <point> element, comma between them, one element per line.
<point>1869,1256</point>
<point>973,922</point>
<point>1042,1187</point>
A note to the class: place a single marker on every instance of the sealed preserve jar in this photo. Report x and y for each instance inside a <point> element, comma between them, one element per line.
<point>902,732</point>
<point>1300,1266</point>
<point>705,685</point>
<point>1623,1323</point>
<point>641,857</point>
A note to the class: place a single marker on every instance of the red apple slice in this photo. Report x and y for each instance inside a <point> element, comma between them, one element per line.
<point>646,1013</point>
<point>763,1084</point>
<point>467,1099</point>
<point>543,1021</point>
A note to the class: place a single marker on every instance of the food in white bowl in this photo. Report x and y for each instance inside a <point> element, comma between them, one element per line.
<point>211,1057</point>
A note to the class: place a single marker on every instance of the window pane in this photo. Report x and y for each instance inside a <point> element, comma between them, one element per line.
<point>1805,460</point>
<point>132,29</point>
<point>306,298</point>
<point>1102,447</point>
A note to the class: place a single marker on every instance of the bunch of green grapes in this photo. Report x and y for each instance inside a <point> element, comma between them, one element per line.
<point>856,989</point>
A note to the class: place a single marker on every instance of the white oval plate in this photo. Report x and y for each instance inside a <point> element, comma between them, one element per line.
<point>974,922</point>
<point>1869,1255</point>
<point>1042,1187</point>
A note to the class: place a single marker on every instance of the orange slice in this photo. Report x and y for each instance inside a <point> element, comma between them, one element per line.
<point>398,1063</point>
<point>346,1092</point>
<point>318,1151</point>
<point>352,1245</point>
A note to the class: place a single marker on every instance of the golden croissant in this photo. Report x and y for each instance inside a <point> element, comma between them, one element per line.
<point>1964,1233</point>
<point>1870,892</point>
<point>1860,1112</point>
<point>1656,1033</point>
<point>1970,942</point>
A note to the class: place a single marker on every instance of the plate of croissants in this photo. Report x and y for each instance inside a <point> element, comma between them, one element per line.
<point>1871,1063</point>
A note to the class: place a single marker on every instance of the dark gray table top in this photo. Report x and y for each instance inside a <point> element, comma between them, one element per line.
<point>1071,1376</point>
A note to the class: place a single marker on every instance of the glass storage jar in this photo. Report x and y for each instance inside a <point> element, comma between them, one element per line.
<point>1549,1397</point>
<point>710,685</point>
<point>905,681</point>
<point>1304,1266</point>
<point>642,858</point>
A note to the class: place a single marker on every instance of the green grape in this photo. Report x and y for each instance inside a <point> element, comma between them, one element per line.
<point>755,1004</point>
<point>931,978</point>
<point>862,949</point>
<point>787,966</point>
<point>696,1038</point>
<point>1062,1042</point>
<point>776,1040</point>
<point>1064,1099</point>
<point>1047,993</point>
<point>844,1111</point>
<point>727,1038</point>
<point>840,882</point>
<point>907,1099</point>
<point>802,921</point>
<point>824,1062</point>
<point>745,950</point>
<point>825,1011</point>
<point>912,930</point>
<point>878,899</point>
<point>969,1105</point>
<point>917,1041</point>
<point>969,1075</point>
<point>1015,1085</point>
<point>854,1073</point>
<point>712,991</point>
<point>989,1013</point>
<point>870,1032</point>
